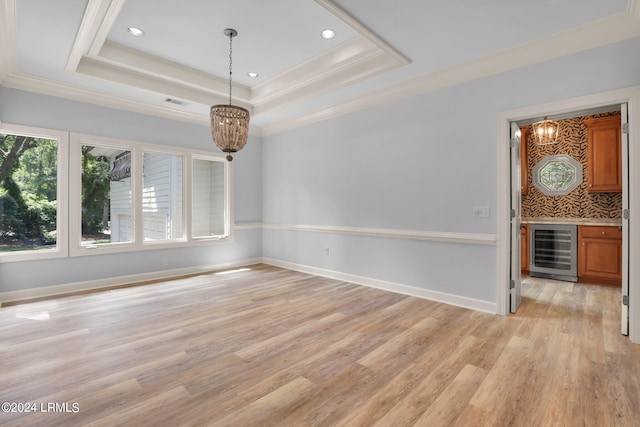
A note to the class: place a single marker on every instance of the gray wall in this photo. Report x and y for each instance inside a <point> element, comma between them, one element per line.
<point>418,164</point>
<point>25,108</point>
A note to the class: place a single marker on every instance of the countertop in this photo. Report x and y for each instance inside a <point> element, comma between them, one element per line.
<point>613,222</point>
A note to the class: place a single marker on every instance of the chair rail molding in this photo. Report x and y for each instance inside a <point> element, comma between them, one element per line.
<point>434,236</point>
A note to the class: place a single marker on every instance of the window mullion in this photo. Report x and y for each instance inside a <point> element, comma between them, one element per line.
<point>137,175</point>
<point>188,197</point>
<point>75,191</point>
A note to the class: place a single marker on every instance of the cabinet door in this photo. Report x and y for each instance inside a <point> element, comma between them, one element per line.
<point>604,154</point>
<point>524,253</point>
<point>600,255</point>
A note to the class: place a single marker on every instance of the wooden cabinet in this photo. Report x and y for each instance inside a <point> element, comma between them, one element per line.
<point>600,255</point>
<point>524,251</point>
<point>524,167</point>
<point>604,154</point>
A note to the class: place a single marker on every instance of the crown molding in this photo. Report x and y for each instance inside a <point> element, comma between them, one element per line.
<point>127,59</point>
<point>94,15</point>
<point>354,70</point>
<point>44,86</point>
<point>599,33</point>
<point>101,70</point>
<point>348,63</point>
<point>346,54</point>
<point>352,61</point>
<point>109,19</point>
<point>8,59</point>
<point>363,65</point>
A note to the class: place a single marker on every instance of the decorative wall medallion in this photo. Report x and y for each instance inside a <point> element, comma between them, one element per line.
<point>557,175</point>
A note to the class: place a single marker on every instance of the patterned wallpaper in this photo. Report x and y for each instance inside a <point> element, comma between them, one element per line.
<point>580,203</point>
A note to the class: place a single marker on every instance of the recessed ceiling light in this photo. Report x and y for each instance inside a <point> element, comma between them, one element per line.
<point>252,74</point>
<point>328,34</point>
<point>135,31</point>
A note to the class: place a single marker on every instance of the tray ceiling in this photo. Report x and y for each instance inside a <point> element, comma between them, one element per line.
<point>382,51</point>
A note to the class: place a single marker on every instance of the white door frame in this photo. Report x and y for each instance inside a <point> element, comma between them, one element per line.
<point>515,277</point>
<point>631,96</point>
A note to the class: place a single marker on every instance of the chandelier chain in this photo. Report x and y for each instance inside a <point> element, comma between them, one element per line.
<point>230,63</point>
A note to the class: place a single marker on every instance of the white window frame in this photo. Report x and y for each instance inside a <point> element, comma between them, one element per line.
<point>228,229</point>
<point>62,247</point>
<point>75,194</point>
<point>137,242</point>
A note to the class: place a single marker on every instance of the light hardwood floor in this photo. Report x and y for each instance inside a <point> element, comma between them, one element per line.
<point>267,346</point>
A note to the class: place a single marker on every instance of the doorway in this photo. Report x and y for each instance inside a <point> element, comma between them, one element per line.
<point>506,254</point>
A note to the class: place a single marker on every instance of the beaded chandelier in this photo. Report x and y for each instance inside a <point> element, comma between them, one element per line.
<point>229,123</point>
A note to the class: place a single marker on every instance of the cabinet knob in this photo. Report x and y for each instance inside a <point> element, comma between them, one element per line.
<point>603,233</point>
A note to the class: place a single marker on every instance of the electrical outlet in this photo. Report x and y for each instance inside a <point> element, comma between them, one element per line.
<point>165,262</point>
<point>481,211</point>
<point>327,251</point>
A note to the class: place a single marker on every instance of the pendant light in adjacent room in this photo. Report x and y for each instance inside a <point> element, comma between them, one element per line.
<point>546,131</point>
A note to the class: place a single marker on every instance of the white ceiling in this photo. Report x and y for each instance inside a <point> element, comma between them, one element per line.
<point>383,51</point>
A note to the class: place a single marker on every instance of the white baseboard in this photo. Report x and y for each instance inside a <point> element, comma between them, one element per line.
<point>57,290</point>
<point>451,299</point>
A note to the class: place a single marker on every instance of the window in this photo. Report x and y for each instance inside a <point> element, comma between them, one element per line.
<point>209,206</point>
<point>102,195</point>
<point>127,196</point>
<point>105,195</point>
<point>557,175</point>
<point>162,192</point>
<point>32,188</point>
